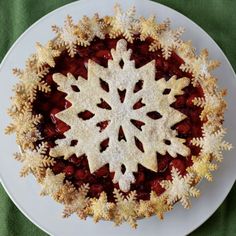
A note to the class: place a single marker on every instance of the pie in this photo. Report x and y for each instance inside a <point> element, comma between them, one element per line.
<point>118,118</point>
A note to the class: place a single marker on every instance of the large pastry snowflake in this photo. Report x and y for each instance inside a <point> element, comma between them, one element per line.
<point>114,122</point>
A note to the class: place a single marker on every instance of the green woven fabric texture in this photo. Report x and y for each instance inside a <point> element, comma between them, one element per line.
<point>216,17</point>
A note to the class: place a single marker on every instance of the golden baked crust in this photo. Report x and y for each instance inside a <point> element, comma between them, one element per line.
<point>36,159</point>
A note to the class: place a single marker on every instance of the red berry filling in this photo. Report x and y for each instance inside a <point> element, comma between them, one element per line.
<point>76,169</point>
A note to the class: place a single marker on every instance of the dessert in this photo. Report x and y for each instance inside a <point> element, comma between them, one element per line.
<point>118,118</point>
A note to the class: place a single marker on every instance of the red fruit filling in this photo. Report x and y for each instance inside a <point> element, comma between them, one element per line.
<point>76,169</point>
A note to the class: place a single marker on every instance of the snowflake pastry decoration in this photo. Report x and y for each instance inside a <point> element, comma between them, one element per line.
<point>212,103</point>
<point>78,204</point>
<point>180,188</point>
<point>159,204</point>
<point>212,142</point>
<point>123,23</point>
<point>66,36</point>
<point>24,125</point>
<point>149,27</point>
<point>101,208</point>
<point>94,27</point>
<point>34,160</point>
<point>52,183</point>
<point>200,67</point>
<point>46,55</point>
<point>31,81</point>
<point>167,40</point>
<point>66,193</point>
<point>126,208</point>
<point>202,166</point>
<point>186,50</point>
<point>145,208</point>
<point>121,115</point>
<point>20,102</point>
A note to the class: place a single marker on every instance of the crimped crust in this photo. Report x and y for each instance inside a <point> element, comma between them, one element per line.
<point>38,159</point>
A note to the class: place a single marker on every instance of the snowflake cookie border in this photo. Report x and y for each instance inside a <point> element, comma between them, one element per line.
<point>126,25</point>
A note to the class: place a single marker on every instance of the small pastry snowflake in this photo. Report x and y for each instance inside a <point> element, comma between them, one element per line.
<point>123,23</point>
<point>180,188</point>
<point>31,81</point>
<point>159,204</point>
<point>34,161</point>
<point>202,167</point>
<point>52,183</point>
<point>20,102</point>
<point>167,40</point>
<point>125,208</point>
<point>78,204</point>
<point>66,193</point>
<point>46,55</point>
<point>25,90</point>
<point>215,119</point>
<point>66,36</point>
<point>145,208</point>
<point>211,142</point>
<point>100,208</point>
<point>200,67</point>
<point>24,125</point>
<point>149,27</point>
<point>93,27</point>
<point>212,103</point>
<point>186,50</point>
<point>155,133</point>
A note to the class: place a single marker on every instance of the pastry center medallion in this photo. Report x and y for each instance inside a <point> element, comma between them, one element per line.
<point>121,116</point>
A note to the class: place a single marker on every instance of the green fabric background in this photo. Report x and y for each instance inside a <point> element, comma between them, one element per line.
<point>217,17</point>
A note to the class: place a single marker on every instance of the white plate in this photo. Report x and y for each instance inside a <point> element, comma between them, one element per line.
<point>46,213</point>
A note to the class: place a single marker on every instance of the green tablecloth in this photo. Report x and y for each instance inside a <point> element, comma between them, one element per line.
<point>217,17</point>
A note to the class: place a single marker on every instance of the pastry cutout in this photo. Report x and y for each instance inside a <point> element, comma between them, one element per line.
<point>180,188</point>
<point>104,147</point>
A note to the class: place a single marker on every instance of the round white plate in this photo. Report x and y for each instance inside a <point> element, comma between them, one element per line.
<point>46,213</point>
